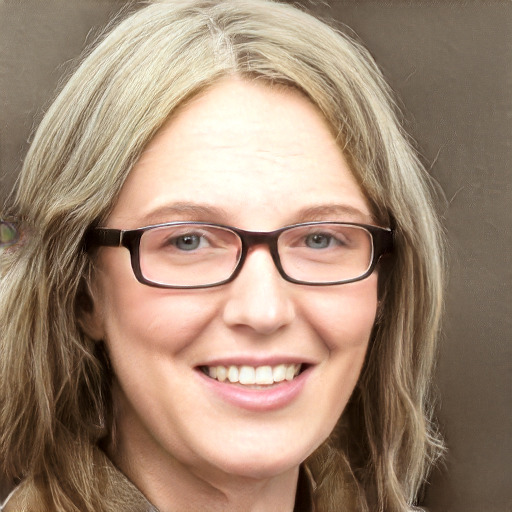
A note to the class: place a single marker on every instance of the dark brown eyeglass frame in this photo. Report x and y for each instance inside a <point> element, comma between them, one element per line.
<point>382,243</point>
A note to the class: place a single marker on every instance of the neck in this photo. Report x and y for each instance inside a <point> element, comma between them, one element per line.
<point>171,486</point>
<point>172,483</point>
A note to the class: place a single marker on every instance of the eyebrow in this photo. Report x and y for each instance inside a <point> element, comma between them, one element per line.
<point>211,213</point>
<point>342,212</point>
<point>190,210</point>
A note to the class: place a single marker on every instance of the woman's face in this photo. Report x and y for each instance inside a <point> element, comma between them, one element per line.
<point>244,155</point>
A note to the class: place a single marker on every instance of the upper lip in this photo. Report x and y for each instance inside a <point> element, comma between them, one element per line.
<point>244,360</point>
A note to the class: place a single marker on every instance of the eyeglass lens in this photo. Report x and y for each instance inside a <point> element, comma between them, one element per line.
<point>189,254</point>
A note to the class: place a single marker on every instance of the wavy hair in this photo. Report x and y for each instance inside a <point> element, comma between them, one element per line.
<point>55,386</point>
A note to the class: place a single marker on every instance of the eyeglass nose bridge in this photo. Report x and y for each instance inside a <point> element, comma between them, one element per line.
<point>250,239</point>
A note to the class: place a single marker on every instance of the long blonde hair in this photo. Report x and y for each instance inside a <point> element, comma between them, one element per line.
<point>55,400</point>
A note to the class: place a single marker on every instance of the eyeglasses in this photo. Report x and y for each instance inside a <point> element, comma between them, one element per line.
<point>199,255</point>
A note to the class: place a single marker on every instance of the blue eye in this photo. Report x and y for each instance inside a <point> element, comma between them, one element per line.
<point>318,241</point>
<point>187,242</point>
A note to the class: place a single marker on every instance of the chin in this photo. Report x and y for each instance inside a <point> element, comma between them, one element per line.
<point>261,470</point>
<point>263,463</point>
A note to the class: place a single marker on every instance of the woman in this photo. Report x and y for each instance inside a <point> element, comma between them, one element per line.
<point>228,287</point>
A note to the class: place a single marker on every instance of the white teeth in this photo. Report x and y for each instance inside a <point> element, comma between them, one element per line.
<point>264,375</point>
<point>247,375</point>
<point>250,375</point>
<point>279,373</point>
<point>222,373</point>
<point>233,374</point>
<point>290,373</point>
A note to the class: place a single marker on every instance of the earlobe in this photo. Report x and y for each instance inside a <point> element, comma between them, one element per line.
<point>89,314</point>
<point>91,325</point>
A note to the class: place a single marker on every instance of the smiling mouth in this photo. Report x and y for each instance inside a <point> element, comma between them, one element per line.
<point>253,375</point>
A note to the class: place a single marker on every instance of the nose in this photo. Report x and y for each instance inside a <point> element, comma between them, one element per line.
<point>259,298</point>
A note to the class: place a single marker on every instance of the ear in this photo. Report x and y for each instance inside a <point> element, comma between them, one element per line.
<point>89,311</point>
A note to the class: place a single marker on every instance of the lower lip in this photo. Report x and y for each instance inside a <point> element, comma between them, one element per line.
<point>272,398</point>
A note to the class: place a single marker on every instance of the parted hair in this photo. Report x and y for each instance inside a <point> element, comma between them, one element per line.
<point>55,403</point>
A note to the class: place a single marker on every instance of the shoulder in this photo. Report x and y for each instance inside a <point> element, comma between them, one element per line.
<point>114,491</point>
<point>25,498</point>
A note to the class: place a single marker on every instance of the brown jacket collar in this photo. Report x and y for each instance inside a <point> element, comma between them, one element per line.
<point>24,497</point>
<point>303,496</point>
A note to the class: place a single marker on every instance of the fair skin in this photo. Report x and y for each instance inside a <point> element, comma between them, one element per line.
<point>244,155</point>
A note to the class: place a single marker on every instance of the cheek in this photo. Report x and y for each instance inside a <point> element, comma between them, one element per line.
<point>344,320</point>
<point>155,321</point>
<point>343,316</point>
<point>143,318</point>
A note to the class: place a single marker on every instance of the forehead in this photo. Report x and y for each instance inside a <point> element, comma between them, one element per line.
<point>245,148</point>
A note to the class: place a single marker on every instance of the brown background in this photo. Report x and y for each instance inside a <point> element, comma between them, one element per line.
<point>450,64</point>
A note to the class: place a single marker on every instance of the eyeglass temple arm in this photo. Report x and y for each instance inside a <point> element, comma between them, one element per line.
<point>385,242</point>
<point>103,237</point>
